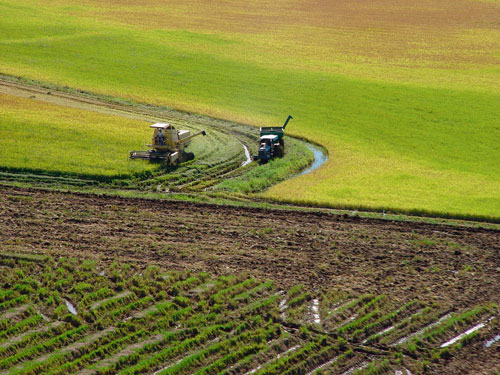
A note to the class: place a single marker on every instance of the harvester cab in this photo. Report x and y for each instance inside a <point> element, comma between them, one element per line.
<point>168,144</point>
<point>271,142</point>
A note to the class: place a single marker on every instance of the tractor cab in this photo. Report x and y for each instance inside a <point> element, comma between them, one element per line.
<point>267,147</point>
<point>268,140</point>
<point>271,142</point>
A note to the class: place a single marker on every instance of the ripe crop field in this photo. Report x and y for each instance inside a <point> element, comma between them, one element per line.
<point>100,285</point>
<point>403,95</point>
<point>76,142</point>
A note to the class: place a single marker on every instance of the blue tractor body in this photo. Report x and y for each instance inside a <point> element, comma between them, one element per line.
<point>271,142</point>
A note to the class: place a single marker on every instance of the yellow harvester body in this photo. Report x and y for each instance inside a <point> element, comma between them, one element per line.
<point>168,144</point>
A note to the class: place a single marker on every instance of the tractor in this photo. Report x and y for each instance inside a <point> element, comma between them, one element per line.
<point>271,142</point>
<point>168,145</point>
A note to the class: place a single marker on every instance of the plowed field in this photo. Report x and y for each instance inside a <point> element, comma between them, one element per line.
<point>420,269</point>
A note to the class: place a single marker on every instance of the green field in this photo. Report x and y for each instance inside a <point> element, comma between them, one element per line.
<point>404,97</point>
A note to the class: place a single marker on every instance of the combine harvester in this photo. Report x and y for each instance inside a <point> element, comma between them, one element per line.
<point>168,145</point>
<point>271,142</point>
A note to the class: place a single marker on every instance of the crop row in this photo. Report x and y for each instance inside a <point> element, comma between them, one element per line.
<point>249,339</point>
<point>386,320</point>
<point>310,354</point>
<point>172,307</point>
<point>432,336</point>
<point>47,346</point>
<point>165,315</point>
<point>13,302</point>
<point>106,345</point>
<point>12,316</point>
<point>38,335</point>
<point>132,321</point>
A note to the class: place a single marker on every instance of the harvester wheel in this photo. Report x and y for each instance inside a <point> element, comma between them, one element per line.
<point>187,156</point>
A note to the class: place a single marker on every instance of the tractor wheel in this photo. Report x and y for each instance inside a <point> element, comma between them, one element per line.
<point>279,151</point>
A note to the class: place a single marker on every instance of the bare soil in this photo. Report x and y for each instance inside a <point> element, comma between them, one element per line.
<point>453,265</point>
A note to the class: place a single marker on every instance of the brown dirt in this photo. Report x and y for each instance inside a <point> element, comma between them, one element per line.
<point>454,266</point>
<point>16,311</point>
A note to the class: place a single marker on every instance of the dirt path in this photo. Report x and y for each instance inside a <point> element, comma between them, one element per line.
<point>81,101</point>
<point>450,265</point>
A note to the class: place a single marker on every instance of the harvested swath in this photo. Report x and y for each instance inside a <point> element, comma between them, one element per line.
<point>137,321</point>
<point>15,311</point>
<point>114,300</point>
